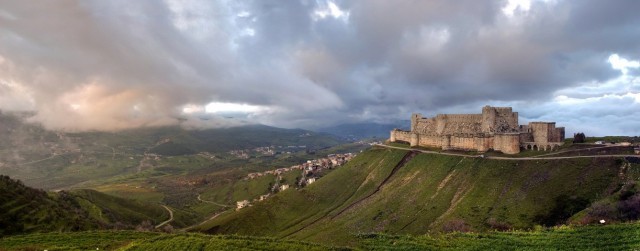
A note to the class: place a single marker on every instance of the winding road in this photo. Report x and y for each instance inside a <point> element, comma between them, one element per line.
<point>203,222</point>
<point>212,202</point>
<point>170,217</point>
<point>210,218</point>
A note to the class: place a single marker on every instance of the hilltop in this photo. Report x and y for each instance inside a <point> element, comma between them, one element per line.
<point>402,192</point>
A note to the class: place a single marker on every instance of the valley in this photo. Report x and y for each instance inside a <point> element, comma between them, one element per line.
<point>152,165</point>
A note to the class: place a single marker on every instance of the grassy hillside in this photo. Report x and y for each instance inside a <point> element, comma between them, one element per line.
<point>113,210</point>
<point>291,209</point>
<point>377,192</point>
<point>606,237</point>
<point>26,210</point>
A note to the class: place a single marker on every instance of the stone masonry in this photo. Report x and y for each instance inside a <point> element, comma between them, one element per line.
<point>495,128</point>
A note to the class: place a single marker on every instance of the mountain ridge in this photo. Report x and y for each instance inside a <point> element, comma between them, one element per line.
<point>362,130</point>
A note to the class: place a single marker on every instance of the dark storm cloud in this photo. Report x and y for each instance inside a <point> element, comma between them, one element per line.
<point>121,64</point>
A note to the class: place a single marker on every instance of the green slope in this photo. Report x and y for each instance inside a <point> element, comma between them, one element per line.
<point>111,209</point>
<point>291,210</point>
<point>26,210</point>
<point>431,193</point>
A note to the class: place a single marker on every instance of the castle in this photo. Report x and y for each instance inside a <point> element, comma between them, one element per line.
<point>496,128</point>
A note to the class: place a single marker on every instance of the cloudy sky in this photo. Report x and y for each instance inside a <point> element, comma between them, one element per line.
<point>108,65</point>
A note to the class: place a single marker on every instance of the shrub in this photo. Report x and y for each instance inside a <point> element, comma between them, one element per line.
<point>498,225</point>
<point>456,225</point>
<point>630,209</point>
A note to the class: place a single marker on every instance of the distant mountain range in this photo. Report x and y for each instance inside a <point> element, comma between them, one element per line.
<point>168,140</point>
<point>358,131</point>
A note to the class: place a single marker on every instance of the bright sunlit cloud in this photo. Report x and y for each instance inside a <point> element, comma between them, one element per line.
<point>218,107</point>
<point>330,9</point>
<point>188,109</point>
<point>622,64</point>
<point>513,5</point>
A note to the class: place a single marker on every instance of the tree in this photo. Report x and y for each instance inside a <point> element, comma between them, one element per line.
<point>578,137</point>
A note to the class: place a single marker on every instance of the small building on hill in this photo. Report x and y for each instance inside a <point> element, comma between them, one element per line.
<point>496,128</point>
<point>311,180</point>
<point>242,204</point>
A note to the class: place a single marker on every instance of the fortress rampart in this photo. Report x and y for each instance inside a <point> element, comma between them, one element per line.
<point>495,128</point>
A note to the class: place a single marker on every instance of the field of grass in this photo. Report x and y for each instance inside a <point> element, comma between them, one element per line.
<point>608,237</point>
<point>616,139</point>
<point>131,240</point>
<point>134,190</point>
<point>605,237</point>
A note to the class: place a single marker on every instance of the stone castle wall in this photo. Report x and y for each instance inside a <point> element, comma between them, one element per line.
<point>540,131</point>
<point>469,142</point>
<point>508,143</point>
<point>495,128</point>
<point>397,135</point>
<point>546,132</point>
<point>431,141</point>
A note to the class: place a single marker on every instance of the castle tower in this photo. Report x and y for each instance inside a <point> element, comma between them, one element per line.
<point>414,121</point>
<point>488,119</point>
<point>415,140</point>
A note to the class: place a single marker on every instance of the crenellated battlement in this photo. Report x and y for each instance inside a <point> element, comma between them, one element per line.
<point>460,117</point>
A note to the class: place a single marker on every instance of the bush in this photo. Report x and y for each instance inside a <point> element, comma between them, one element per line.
<point>630,209</point>
<point>456,225</point>
<point>565,207</point>
<point>144,226</point>
<point>498,225</point>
